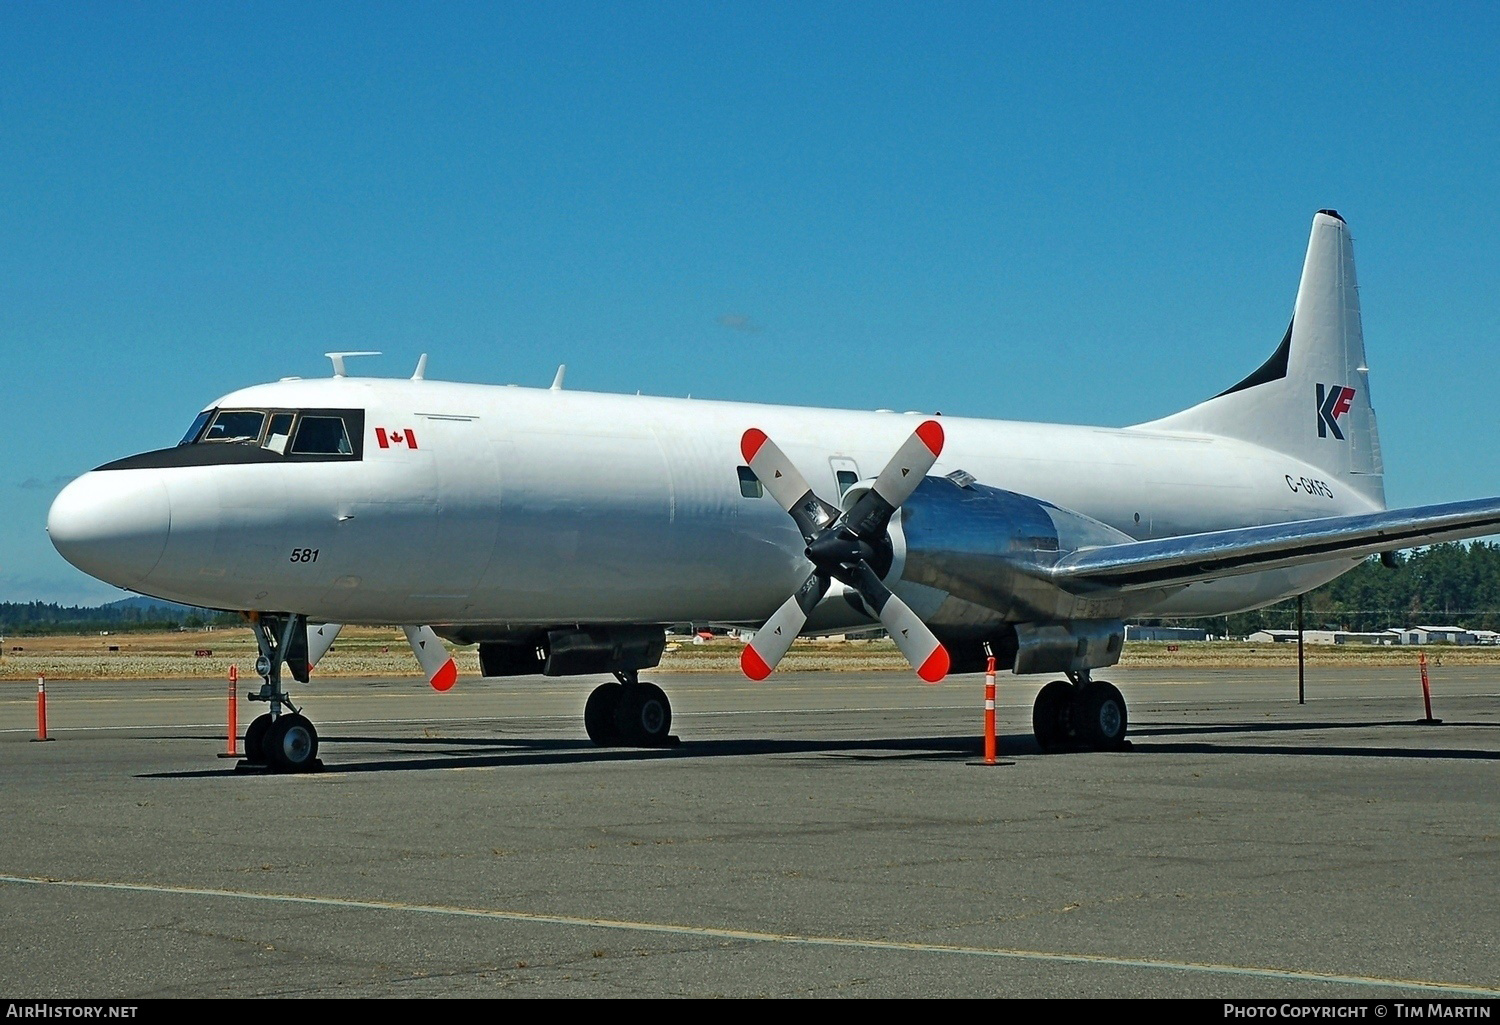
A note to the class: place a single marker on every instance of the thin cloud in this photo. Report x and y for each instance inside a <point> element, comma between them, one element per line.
<point>41,484</point>
<point>739,322</point>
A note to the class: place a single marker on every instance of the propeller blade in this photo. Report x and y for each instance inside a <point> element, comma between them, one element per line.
<point>839,546</point>
<point>872,513</point>
<point>441,670</point>
<point>786,483</point>
<point>920,646</point>
<point>771,641</point>
<point>319,639</point>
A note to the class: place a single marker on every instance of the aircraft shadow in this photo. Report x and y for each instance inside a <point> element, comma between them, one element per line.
<point>1343,752</point>
<point>1137,733</point>
<point>1289,727</point>
<point>420,754</point>
<point>459,753</point>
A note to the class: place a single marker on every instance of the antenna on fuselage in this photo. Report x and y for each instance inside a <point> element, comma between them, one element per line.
<point>421,373</point>
<point>562,368</point>
<point>338,360</point>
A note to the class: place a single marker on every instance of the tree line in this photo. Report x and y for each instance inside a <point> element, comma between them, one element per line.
<point>1454,584</point>
<point>35,617</point>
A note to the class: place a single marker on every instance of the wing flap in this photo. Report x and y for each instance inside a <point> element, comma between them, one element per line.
<point>1194,557</point>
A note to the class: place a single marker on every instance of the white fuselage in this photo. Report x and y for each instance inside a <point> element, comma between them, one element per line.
<point>537,507</point>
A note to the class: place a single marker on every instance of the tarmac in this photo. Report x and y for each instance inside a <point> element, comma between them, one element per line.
<point>816,835</point>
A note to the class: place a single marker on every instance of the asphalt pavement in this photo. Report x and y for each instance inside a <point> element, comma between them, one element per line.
<point>816,835</point>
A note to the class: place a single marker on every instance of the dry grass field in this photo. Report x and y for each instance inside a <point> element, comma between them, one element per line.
<point>377,651</point>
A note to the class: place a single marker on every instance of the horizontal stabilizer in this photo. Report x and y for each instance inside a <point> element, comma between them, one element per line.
<point>1221,553</point>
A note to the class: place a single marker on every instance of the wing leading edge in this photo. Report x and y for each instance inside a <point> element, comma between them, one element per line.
<point>1221,553</point>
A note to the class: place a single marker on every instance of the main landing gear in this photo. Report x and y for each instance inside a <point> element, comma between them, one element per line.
<point>282,740</point>
<point>1079,712</point>
<point>628,713</point>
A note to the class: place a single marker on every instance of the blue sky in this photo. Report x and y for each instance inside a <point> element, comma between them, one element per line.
<point>1088,213</point>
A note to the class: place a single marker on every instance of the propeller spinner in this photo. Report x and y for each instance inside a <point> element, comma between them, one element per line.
<point>841,547</point>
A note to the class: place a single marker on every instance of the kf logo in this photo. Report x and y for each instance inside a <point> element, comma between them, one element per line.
<point>1333,402</point>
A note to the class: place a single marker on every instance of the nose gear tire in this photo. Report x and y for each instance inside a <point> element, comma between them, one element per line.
<point>255,740</point>
<point>291,744</point>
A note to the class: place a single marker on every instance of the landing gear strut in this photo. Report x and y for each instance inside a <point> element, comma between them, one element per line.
<point>282,739</point>
<point>629,713</point>
<point>1079,711</point>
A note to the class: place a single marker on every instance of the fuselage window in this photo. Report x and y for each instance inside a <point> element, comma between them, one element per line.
<point>198,423</point>
<point>278,433</point>
<point>322,435</point>
<point>847,479</point>
<point>241,425</point>
<point>750,487</point>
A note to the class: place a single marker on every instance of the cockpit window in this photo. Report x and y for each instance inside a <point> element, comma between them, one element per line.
<point>233,436</point>
<point>198,422</point>
<point>242,425</point>
<point>321,435</point>
<point>279,431</point>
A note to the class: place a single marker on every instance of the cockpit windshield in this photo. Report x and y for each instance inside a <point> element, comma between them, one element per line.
<point>236,425</point>
<point>298,435</point>
<point>198,424</point>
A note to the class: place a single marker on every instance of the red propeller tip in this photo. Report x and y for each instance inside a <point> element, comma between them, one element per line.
<point>445,677</point>
<point>750,444</point>
<point>931,434</point>
<point>936,666</point>
<point>753,665</point>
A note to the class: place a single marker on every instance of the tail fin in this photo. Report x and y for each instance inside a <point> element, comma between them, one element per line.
<point>1311,399</point>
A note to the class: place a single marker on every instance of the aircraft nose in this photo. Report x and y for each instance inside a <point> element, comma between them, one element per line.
<point>112,524</point>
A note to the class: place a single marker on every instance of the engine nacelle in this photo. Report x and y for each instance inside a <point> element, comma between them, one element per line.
<point>1068,647</point>
<point>972,561</point>
<point>564,652</point>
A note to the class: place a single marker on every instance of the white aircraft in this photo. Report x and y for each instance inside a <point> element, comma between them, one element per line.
<point>563,531</point>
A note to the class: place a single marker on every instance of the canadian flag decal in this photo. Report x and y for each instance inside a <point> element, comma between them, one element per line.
<point>387,438</point>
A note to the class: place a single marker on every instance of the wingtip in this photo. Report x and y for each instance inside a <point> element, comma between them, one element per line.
<point>751,442</point>
<point>752,665</point>
<point>931,433</point>
<point>445,677</point>
<point>936,666</point>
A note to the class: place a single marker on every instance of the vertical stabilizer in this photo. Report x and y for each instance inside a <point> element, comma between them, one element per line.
<point>1311,399</point>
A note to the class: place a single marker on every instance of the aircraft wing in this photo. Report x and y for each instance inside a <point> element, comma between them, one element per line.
<point>1221,553</point>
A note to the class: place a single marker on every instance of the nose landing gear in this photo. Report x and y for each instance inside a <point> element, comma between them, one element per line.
<point>282,741</point>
